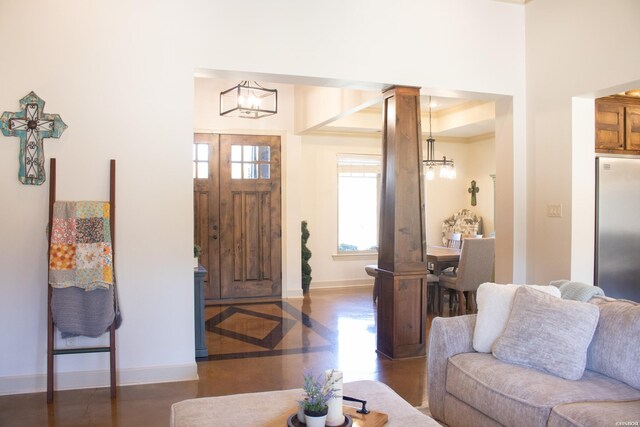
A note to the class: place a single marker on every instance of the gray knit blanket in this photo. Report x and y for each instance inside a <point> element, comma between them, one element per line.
<point>576,290</point>
<point>88,313</point>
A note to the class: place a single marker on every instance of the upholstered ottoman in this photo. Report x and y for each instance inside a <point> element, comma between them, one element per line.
<point>261,409</point>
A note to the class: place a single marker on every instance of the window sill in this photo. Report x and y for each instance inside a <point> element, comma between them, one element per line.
<point>355,256</point>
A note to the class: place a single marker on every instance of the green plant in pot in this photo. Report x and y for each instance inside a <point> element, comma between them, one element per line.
<point>306,255</point>
<point>318,392</point>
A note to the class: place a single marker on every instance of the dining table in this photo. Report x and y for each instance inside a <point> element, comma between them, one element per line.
<point>442,257</point>
<point>439,258</point>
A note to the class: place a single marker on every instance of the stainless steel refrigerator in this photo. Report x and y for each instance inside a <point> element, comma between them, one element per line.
<point>617,263</point>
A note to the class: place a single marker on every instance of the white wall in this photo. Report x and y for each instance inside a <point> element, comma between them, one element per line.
<point>481,164</point>
<point>117,79</point>
<point>320,208</point>
<point>121,76</point>
<point>444,197</point>
<point>589,58</point>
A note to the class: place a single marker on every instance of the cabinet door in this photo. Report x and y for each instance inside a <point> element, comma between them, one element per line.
<point>632,136</point>
<point>609,126</point>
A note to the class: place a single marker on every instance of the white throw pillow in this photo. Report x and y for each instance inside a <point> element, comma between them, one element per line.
<point>494,305</point>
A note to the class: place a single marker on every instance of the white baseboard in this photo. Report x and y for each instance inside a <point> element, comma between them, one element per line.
<point>341,283</point>
<point>21,384</point>
<point>326,284</point>
<point>293,293</point>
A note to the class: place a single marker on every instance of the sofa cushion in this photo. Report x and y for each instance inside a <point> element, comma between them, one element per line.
<point>548,333</point>
<point>615,348</point>
<point>595,414</point>
<point>497,389</point>
<point>458,413</point>
<point>494,305</point>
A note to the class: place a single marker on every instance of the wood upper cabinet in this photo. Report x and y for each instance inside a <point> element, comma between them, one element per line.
<point>617,125</point>
<point>609,126</point>
<point>632,130</point>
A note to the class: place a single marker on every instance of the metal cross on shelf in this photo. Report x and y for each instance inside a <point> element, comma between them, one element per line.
<point>31,125</point>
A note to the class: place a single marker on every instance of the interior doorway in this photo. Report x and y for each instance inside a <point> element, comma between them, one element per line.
<point>237,214</point>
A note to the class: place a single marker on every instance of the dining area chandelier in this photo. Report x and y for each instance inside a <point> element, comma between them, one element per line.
<point>447,167</point>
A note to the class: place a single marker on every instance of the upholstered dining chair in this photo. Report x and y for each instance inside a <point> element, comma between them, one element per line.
<point>475,267</point>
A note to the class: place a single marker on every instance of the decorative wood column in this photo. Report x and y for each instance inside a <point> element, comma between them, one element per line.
<point>402,250</point>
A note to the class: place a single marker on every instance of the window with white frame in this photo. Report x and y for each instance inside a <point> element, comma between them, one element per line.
<point>358,202</point>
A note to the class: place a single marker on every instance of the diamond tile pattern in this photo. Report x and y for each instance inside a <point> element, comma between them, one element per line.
<point>264,329</point>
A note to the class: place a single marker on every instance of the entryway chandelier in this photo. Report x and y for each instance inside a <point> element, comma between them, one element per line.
<point>248,100</point>
<point>447,169</point>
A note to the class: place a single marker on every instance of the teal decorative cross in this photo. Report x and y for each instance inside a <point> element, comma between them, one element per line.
<point>31,125</point>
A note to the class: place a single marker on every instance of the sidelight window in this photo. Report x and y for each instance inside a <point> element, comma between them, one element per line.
<point>200,161</point>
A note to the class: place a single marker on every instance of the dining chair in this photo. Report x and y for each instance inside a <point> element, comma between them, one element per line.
<point>475,267</point>
<point>454,240</point>
<point>432,292</point>
<point>372,270</point>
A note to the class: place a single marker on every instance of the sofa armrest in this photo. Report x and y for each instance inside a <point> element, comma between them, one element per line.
<point>448,337</point>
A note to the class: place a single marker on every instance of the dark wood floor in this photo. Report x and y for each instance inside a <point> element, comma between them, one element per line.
<point>328,329</point>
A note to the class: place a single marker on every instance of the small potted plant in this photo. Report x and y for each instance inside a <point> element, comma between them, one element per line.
<point>197,251</point>
<point>315,403</point>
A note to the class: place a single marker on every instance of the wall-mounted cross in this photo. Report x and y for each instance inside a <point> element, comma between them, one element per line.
<point>473,190</point>
<point>31,125</point>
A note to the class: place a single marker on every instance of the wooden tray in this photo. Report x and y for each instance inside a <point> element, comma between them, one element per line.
<point>293,421</point>
<point>372,419</point>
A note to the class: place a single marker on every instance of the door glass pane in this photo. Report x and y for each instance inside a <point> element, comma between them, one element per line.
<point>236,153</point>
<point>265,171</point>
<point>194,157</point>
<point>203,152</point>
<point>250,171</point>
<point>194,167</point>
<point>265,153</point>
<point>236,171</point>
<point>203,170</point>
<point>250,153</point>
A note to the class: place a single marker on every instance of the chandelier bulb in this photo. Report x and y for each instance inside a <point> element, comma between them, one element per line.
<point>430,173</point>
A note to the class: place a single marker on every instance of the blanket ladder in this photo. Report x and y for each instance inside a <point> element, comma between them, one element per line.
<point>111,348</point>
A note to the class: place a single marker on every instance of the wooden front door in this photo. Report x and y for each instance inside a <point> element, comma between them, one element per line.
<point>243,229</point>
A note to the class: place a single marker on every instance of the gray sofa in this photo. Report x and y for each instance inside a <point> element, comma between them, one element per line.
<point>467,388</point>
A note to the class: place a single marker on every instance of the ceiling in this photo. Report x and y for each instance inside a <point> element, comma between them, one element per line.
<point>452,118</point>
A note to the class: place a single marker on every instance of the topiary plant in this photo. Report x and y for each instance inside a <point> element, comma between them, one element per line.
<point>306,255</point>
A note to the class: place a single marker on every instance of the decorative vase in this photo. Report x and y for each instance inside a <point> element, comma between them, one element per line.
<point>314,419</point>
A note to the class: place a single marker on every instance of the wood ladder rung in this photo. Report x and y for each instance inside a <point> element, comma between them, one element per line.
<point>80,350</point>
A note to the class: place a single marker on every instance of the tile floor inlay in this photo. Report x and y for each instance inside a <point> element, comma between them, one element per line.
<point>264,329</point>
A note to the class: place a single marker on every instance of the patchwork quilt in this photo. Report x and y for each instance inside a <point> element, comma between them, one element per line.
<point>80,252</point>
